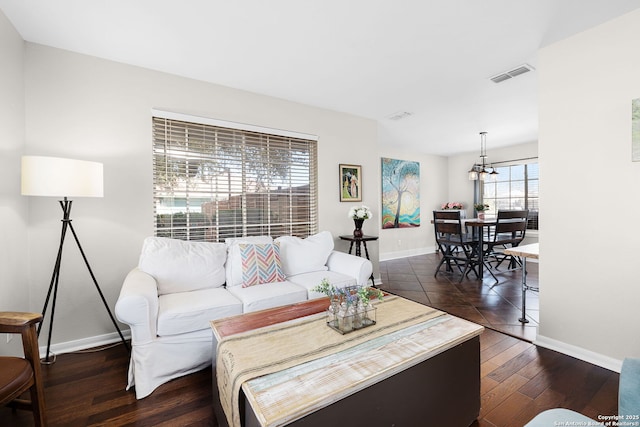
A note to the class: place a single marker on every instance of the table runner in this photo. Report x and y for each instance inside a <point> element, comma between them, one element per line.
<point>248,355</point>
<point>321,382</point>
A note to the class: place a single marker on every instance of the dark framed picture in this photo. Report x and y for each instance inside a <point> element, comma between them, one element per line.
<point>350,183</point>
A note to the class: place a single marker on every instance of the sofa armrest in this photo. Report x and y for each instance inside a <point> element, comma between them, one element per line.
<point>629,392</point>
<point>350,265</point>
<point>137,306</point>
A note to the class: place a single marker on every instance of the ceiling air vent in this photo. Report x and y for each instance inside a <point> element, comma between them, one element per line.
<point>399,115</point>
<point>500,78</point>
<point>525,68</point>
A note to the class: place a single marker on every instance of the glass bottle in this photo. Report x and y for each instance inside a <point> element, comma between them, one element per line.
<point>345,317</point>
<point>332,312</point>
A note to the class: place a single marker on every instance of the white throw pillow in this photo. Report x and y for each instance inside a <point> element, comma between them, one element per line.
<point>234,259</point>
<point>305,255</point>
<point>183,266</point>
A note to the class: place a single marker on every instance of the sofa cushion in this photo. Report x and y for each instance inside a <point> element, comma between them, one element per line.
<point>183,266</point>
<point>260,263</point>
<point>234,260</point>
<point>269,295</point>
<point>184,312</point>
<point>311,280</point>
<point>305,255</point>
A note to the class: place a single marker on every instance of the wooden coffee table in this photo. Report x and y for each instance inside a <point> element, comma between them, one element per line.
<point>442,388</point>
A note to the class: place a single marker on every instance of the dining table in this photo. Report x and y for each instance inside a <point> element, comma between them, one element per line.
<point>482,228</point>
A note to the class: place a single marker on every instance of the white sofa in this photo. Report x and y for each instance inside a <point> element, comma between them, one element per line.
<point>179,286</point>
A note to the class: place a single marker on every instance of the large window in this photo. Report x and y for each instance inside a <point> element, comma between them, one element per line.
<point>212,182</point>
<point>516,187</point>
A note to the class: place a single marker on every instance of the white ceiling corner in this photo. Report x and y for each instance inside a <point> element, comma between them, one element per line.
<point>370,58</point>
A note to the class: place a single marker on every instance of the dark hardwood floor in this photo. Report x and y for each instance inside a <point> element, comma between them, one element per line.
<point>518,379</point>
<point>494,305</point>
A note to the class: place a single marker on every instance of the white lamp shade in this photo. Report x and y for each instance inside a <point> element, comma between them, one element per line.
<point>58,177</point>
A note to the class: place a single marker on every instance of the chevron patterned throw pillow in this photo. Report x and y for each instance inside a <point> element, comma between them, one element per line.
<point>260,264</point>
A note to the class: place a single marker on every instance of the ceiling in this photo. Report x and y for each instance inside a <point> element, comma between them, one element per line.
<point>370,58</point>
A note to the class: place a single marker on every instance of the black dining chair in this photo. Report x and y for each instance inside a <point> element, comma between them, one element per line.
<point>456,247</point>
<point>509,232</point>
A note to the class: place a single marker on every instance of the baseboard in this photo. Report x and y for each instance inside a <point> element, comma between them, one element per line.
<point>589,356</point>
<point>594,358</point>
<point>407,253</point>
<point>84,343</point>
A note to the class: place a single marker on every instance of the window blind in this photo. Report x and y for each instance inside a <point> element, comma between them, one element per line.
<point>214,182</point>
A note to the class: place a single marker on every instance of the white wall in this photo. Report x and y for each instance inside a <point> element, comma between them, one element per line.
<point>588,270</point>
<point>14,290</point>
<point>87,108</point>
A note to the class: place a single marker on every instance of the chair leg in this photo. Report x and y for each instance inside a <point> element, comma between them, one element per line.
<point>468,268</point>
<point>439,265</point>
<point>37,403</point>
<point>488,268</point>
<point>449,268</point>
<point>447,257</point>
<point>514,262</point>
<point>470,265</point>
<point>443,251</point>
<point>30,344</point>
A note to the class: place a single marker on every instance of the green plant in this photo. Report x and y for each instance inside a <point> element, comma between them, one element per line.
<point>365,294</point>
<point>326,288</point>
<point>480,207</point>
<point>350,295</point>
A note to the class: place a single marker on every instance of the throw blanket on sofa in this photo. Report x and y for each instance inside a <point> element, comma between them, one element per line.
<point>248,355</point>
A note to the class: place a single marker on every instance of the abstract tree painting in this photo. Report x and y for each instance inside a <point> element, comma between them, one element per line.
<point>400,193</point>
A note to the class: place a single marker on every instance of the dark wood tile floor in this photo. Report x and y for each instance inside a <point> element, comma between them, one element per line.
<point>494,305</point>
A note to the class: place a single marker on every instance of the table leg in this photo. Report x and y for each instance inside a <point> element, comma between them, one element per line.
<point>523,319</point>
<point>358,252</point>
<point>481,253</point>
<point>350,247</point>
<point>366,252</point>
<point>481,264</point>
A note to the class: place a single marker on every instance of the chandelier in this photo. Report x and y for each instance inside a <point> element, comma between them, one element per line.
<point>479,170</point>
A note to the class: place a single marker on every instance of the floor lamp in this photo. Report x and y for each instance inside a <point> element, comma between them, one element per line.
<point>57,177</point>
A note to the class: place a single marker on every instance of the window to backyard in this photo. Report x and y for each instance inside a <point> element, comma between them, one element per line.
<point>214,180</point>
<point>516,188</point>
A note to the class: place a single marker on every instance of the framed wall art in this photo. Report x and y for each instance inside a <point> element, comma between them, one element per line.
<point>350,183</point>
<point>400,193</point>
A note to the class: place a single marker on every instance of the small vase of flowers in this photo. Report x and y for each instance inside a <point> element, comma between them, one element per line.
<point>454,206</point>
<point>480,208</point>
<point>359,214</point>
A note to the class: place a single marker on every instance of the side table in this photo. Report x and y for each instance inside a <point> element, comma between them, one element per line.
<point>360,241</point>
<point>525,251</point>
